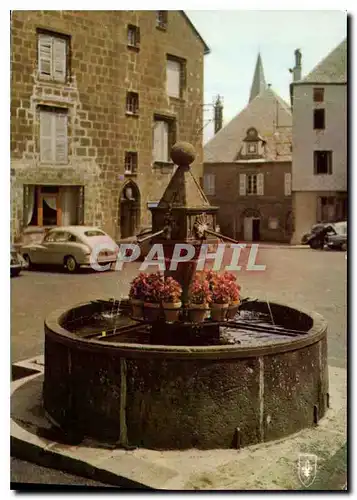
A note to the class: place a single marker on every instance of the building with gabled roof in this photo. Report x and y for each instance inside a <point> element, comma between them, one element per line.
<point>247,167</point>
<point>319,166</point>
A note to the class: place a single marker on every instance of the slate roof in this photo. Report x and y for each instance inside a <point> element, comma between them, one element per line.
<point>269,115</point>
<point>332,69</point>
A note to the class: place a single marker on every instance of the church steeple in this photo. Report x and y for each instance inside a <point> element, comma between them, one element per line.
<point>259,84</point>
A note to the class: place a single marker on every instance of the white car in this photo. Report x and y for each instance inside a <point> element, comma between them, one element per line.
<point>72,247</point>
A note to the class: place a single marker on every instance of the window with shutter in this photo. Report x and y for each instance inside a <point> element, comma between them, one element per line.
<point>161,141</point>
<point>45,55</point>
<point>59,59</point>
<point>242,184</point>
<point>173,78</point>
<point>287,187</point>
<point>46,137</point>
<point>53,137</point>
<point>260,184</point>
<point>209,184</point>
<point>52,56</point>
<point>61,138</point>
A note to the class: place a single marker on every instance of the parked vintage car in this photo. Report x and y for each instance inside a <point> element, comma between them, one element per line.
<point>315,229</point>
<point>332,234</point>
<point>337,239</point>
<point>71,247</point>
<point>17,263</point>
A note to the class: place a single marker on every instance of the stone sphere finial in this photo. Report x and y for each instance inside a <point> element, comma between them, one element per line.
<point>183,153</point>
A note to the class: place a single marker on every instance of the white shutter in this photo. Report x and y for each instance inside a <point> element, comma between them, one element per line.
<point>173,72</point>
<point>260,184</point>
<point>46,136</point>
<point>61,137</point>
<point>287,184</point>
<point>45,55</point>
<point>165,141</point>
<point>242,184</point>
<point>59,59</point>
<point>157,141</point>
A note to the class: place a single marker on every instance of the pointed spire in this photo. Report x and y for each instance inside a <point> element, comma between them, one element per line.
<point>259,84</point>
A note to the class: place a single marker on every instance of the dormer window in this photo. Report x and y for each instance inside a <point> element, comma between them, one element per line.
<point>253,146</point>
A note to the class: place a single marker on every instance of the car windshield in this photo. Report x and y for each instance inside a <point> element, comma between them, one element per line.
<point>341,228</point>
<point>94,232</point>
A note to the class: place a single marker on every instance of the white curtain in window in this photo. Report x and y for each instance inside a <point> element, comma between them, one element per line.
<point>51,202</point>
<point>69,207</point>
<point>173,71</point>
<point>30,203</point>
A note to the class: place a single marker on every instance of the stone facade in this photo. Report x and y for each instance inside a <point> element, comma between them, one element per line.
<point>101,69</point>
<point>273,208</point>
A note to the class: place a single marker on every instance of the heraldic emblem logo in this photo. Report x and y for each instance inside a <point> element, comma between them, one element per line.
<point>307,468</point>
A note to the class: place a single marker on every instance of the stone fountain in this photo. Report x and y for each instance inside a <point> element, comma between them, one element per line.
<point>260,377</point>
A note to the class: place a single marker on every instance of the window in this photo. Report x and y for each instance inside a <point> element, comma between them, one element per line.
<point>94,232</point>
<point>163,139</point>
<point>287,184</point>
<point>255,184</point>
<point>322,162</point>
<point>326,210</point>
<point>318,95</point>
<point>175,77</point>
<point>131,162</point>
<point>161,19</point>
<point>252,184</point>
<point>53,136</point>
<point>319,119</point>
<point>132,103</point>
<point>52,56</point>
<point>133,36</point>
<point>209,181</point>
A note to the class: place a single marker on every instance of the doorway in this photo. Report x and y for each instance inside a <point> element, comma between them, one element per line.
<point>129,210</point>
<point>251,229</point>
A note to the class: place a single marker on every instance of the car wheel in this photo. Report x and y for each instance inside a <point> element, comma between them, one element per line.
<point>70,264</point>
<point>28,261</point>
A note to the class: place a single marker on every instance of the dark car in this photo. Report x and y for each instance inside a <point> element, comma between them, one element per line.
<point>337,239</point>
<point>16,263</point>
<point>315,229</point>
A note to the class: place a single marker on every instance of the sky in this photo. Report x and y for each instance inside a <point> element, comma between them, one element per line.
<point>236,36</point>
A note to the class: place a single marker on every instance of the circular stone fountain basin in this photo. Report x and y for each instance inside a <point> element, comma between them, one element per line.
<point>259,385</point>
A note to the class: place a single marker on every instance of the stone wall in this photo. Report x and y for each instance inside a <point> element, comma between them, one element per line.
<point>273,204</point>
<point>102,68</point>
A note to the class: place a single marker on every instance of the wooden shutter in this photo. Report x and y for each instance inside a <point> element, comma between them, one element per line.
<point>260,184</point>
<point>59,59</point>
<point>61,137</point>
<point>165,141</point>
<point>157,141</point>
<point>173,77</point>
<point>46,136</point>
<point>45,55</point>
<point>287,184</point>
<point>242,184</point>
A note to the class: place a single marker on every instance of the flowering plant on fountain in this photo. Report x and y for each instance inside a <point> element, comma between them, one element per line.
<point>234,294</point>
<point>220,289</point>
<point>199,298</point>
<point>137,294</point>
<point>171,299</point>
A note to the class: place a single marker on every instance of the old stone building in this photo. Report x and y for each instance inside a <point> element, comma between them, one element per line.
<point>97,99</point>
<point>320,141</point>
<point>247,168</point>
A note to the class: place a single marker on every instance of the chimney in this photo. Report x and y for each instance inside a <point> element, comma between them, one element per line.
<point>297,67</point>
<point>218,115</point>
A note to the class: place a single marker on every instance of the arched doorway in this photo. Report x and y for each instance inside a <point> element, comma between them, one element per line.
<point>129,210</point>
<point>251,224</point>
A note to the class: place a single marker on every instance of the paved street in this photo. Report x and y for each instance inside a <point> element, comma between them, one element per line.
<point>302,277</point>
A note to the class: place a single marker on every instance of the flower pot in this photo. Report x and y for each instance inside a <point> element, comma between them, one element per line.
<point>233,309</point>
<point>197,313</point>
<point>172,311</point>
<point>152,311</point>
<point>137,308</point>
<point>218,312</point>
